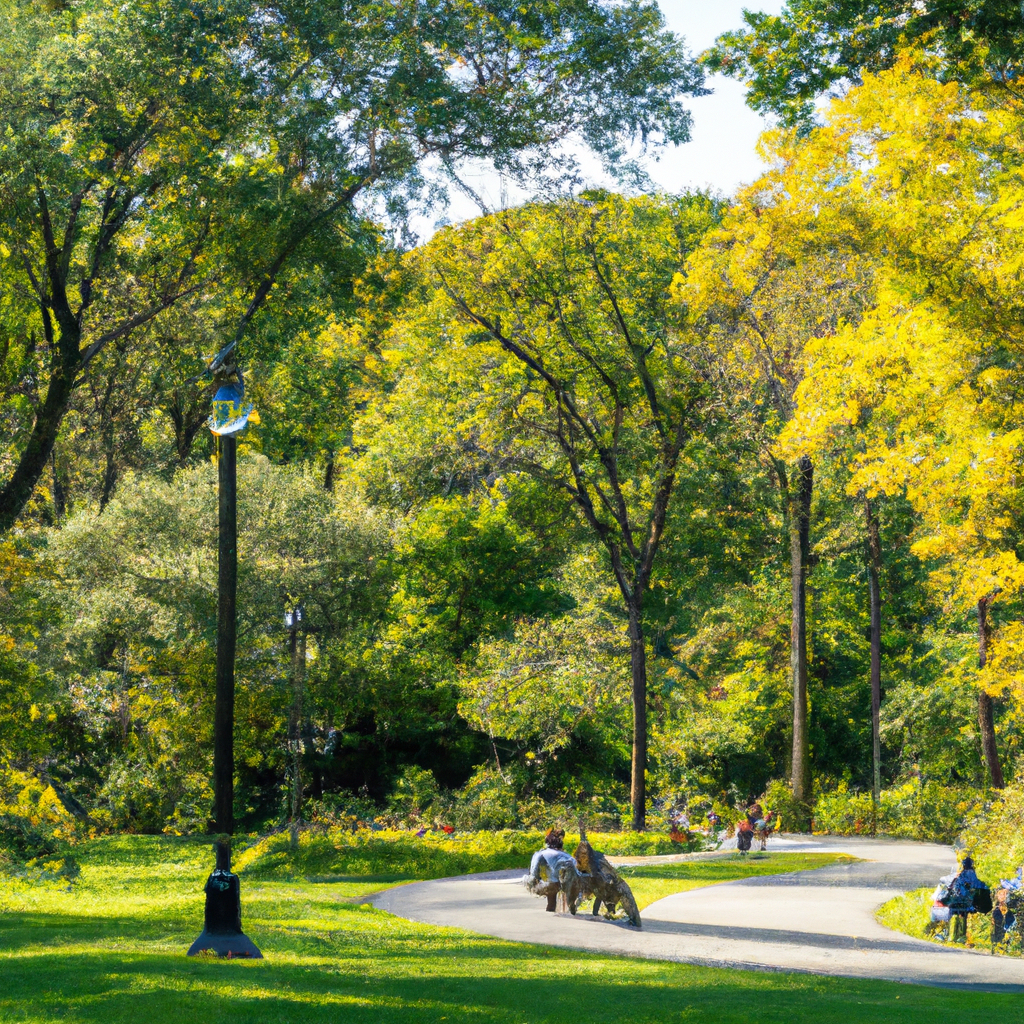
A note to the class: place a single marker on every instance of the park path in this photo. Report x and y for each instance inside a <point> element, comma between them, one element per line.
<point>819,921</point>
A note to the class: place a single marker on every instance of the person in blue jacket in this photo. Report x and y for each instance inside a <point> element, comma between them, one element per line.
<point>967,893</point>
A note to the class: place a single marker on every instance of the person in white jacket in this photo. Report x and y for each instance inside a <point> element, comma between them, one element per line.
<point>545,866</point>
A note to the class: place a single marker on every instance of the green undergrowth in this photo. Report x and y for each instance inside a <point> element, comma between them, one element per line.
<point>913,810</point>
<point>337,854</point>
<point>111,951</point>
<point>651,882</point>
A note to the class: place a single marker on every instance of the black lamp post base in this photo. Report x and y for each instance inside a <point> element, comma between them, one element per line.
<point>236,945</point>
<point>222,932</point>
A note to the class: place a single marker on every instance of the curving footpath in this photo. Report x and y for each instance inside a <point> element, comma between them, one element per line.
<point>820,921</point>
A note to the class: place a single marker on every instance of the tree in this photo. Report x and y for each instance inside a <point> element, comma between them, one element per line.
<point>133,650</point>
<point>156,151</point>
<point>547,330</point>
<point>913,393</point>
<point>790,59</point>
<point>908,415</point>
<point>764,289</point>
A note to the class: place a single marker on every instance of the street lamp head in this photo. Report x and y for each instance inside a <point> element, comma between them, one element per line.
<point>230,414</point>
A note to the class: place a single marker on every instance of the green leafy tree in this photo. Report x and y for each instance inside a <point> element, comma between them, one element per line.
<point>156,151</point>
<point>790,59</point>
<point>134,650</point>
<point>548,331</point>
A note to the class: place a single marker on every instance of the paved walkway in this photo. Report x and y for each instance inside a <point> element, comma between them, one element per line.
<point>818,921</point>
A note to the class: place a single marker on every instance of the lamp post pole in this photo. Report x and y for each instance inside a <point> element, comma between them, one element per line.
<point>222,929</point>
<point>227,586</point>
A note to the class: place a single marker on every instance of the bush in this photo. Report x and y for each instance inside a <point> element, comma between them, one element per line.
<point>395,854</point>
<point>415,794</point>
<point>341,810</point>
<point>22,840</point>
<point>912,811</point>
<point>35,830</point>
<point>995,838</point>
<point>793,815</point>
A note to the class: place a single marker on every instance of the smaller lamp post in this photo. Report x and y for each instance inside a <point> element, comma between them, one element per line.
<point>293,621</point>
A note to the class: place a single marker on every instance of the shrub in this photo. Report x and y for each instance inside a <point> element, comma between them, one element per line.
<point>914,810</point>
<point>996,836</point>
<point>22,840</point>
<point>35,830</point>
<point>793,815</point>
<point>338,852</point>
<point>415,794</point>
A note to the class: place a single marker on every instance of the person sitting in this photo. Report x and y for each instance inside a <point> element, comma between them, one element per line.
<point>940,912</point>
<point>1009,901</point>
<point>546,865</point>
<point>968,894</point>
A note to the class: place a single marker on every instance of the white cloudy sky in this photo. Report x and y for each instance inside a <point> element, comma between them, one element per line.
<point>720,155</point>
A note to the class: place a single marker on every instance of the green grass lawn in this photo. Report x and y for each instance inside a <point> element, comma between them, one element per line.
<point>112,950</point>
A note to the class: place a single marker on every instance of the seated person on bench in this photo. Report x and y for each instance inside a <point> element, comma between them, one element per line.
<point>543,878</point>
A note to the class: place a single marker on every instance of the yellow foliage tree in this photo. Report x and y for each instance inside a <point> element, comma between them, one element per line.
<point>918,394</point>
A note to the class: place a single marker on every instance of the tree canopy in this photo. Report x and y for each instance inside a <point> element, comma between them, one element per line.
<point>790,59</point>
<point>160,153</point>
<point>600,506</point>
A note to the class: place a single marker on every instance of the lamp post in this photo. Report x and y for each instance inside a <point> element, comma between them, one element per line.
<point>222,929</point>
<point>293,621</point>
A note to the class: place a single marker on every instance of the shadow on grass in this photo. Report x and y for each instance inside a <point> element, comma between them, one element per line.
<point>382,969</point>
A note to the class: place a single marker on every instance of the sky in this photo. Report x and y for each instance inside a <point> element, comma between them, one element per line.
<point>721,153</point>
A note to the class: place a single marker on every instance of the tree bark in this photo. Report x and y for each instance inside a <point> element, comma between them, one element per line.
<point>110,475</point>
<point>18,490</point>
<point>800,491</point>
<point>638,666</point>
<point>986,711</point>
<point>187,423</point>
<point>874,586</point>
<point>60,503</point>
<point>227,582</point>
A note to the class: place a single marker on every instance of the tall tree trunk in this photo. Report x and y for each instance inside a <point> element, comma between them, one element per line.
<point>227,582</point>
<point>36,454</point>
<point>60,497</point>
<point>874,573</point>
<point>800,492</point>
<point>638,665</point>
<point>110,475</point>
<point>329,473</point>
<point>986,713</point>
